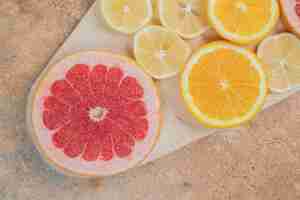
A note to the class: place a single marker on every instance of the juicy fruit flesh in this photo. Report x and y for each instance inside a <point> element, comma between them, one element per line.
<point>244,16</point>
<point>96,113</point>
<point>224,85</point>
<point>297,8</point>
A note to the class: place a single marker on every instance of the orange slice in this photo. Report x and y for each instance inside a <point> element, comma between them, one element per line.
<point>223,85</point>
<point>243,21</point>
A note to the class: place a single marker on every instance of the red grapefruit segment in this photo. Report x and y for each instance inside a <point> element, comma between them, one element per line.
<point>63,91</point>
<point>291,13</point>
<point>106,153</point>
<point>75,146</point>
<point>297,8</point>
<point>136,109</point>
<point>130,88</point>
<point>62,137</point>
<point>97,78</point>
<point>141,128</point>
<point>97,117</point>
<point>53,103</point>
<point>93,148</point>
<point>51,120</point>
<point>111,89</point>
<point>122,142</point>
<point>78,77</point>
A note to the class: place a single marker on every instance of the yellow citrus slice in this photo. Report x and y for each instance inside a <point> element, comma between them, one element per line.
<point>186,17</point>
<point>243,21</point>
<point>126,16</point>
<point>160,52</point>
<point>280,53</point>
<point>224,85</point>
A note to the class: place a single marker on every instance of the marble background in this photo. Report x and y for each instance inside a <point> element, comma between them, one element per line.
<point>257,162</point>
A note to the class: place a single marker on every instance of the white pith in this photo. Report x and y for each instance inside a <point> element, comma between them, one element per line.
<point>96,114</point>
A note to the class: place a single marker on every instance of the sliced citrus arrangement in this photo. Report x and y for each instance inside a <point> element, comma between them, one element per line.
<point>186,17</point>
<point>224,85</point>
<point>126,16</point>
<point>291,13</point>
<point>243,21</point>
<point>160,52</point>
<point>94,114</point>
<point>280,53</point>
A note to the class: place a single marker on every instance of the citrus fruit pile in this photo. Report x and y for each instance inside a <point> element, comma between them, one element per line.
<point>97,114</point>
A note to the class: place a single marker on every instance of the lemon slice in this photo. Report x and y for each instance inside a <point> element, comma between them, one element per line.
<point>160,52</point>
<point>224,85</point>
<point>243,21</point>
<point>280,53</point>
<point>186,17</point>
<point>127,16</point>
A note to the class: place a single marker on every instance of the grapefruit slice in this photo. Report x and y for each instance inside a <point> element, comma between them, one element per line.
<point>280,53</point>
<point>94,114</point>
<point>291,14</point>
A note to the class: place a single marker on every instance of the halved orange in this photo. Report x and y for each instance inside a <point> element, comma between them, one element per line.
<point>224,85</point>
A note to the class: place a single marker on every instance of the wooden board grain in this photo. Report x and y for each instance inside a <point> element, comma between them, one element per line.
<point>92,33</point>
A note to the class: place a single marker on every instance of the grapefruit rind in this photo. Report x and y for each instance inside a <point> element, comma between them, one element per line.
<point>188,99</point>
<point>85,172</point>
<point>290,18</point>
<point>239,39</point>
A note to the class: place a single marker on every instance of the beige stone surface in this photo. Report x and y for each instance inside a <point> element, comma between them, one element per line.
<point>258,162</point>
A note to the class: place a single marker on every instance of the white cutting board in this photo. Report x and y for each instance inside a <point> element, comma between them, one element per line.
<point>92,33</point>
